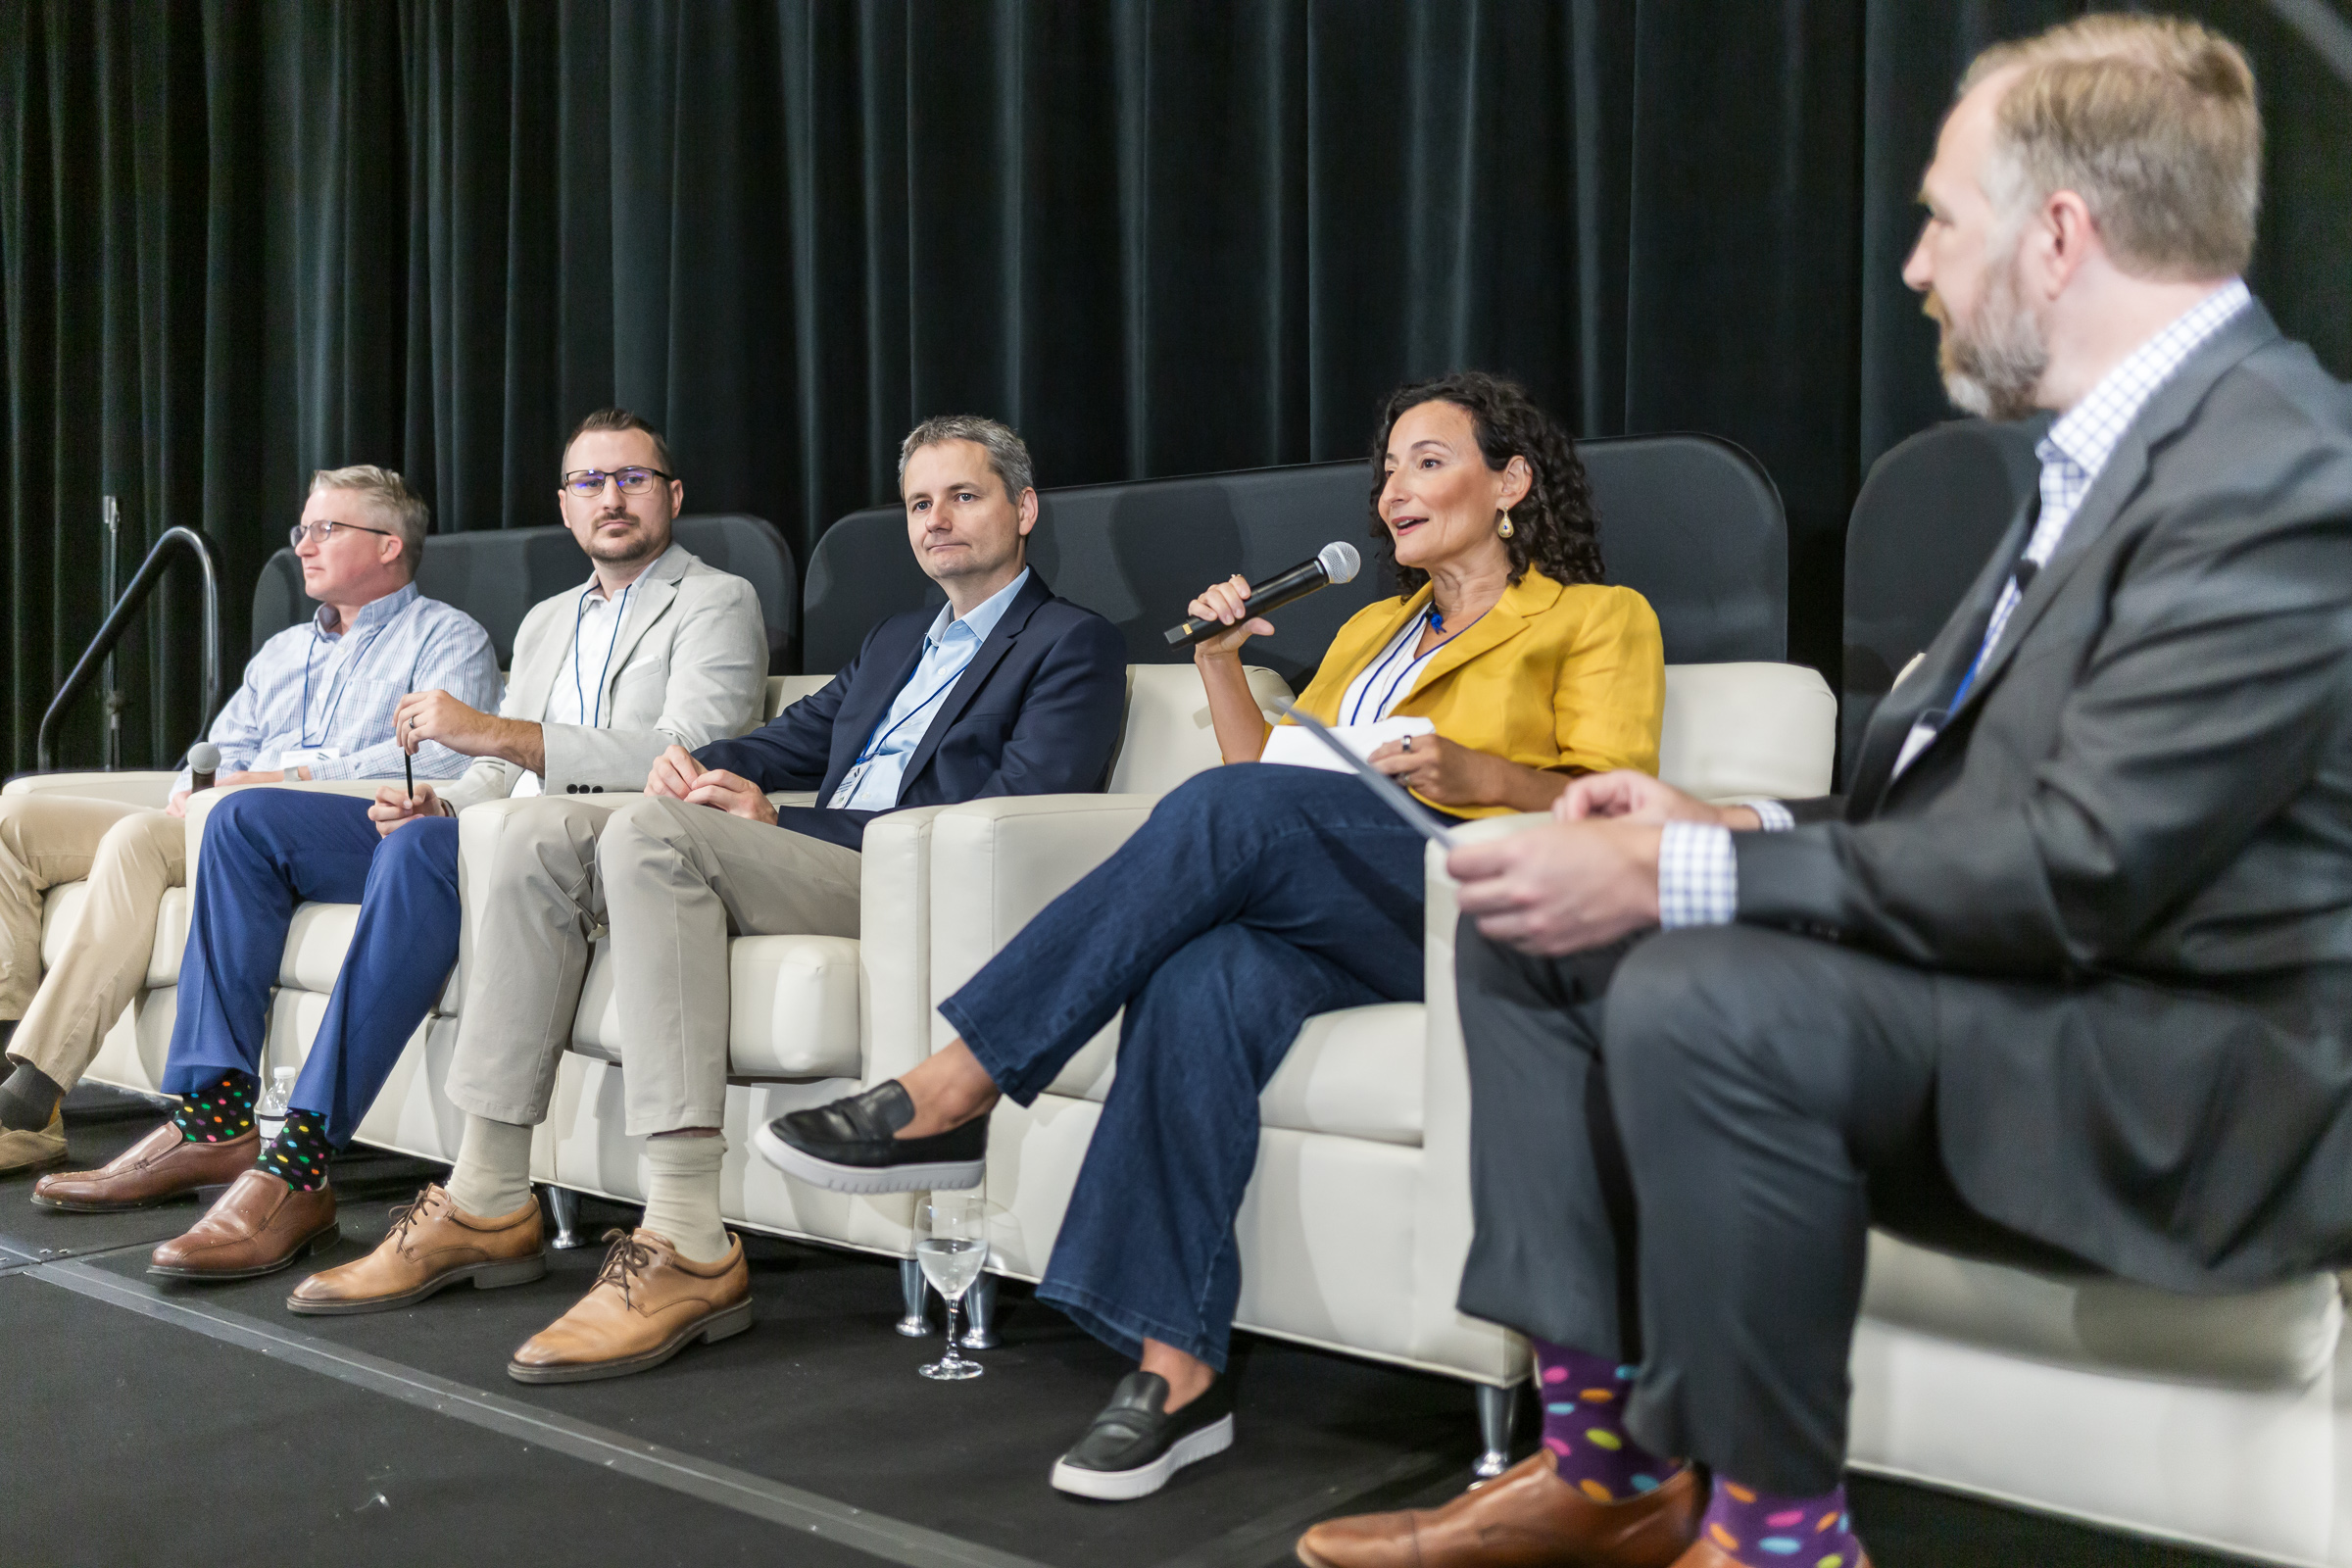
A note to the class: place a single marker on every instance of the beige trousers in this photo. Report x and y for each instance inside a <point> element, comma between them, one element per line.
<point>130,856</point>
<point>672,882</point>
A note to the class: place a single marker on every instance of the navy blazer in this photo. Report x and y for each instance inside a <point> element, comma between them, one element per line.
<point>1037,711</point>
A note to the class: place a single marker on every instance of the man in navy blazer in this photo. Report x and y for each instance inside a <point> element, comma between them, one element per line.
<point>1005,690</point>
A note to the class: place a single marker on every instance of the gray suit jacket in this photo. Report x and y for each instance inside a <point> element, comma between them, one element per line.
<point>2135,833</point>
<point>690,667</point>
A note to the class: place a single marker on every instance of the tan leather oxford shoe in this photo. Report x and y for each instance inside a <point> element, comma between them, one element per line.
<point>647,1305</point>
<point>159,1167</point>
<point>35,1148</point>
<point>259,1226</point>
<point>1527,1517</point>
<point>431,1246</point>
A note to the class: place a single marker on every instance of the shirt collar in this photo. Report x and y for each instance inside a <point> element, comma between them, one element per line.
<point>371,614</point>
<point>595,595</point>
<point>2088,433</point>
<point>983,617</point>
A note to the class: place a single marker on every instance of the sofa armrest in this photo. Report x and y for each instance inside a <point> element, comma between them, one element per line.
<point>995,863</point>
<point>142,788</point>
<point>894,941</point>
<point>1441,1230</point>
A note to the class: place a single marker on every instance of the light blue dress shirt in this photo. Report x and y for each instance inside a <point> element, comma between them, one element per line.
<point>948,648</point>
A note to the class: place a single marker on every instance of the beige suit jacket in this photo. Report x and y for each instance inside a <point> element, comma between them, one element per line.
<point>690,667</point>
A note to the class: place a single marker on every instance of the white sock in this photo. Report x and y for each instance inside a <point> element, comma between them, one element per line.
<point>493,1174</point>
<point>681,1194</point>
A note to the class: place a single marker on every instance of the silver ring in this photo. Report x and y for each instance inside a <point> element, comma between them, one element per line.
<point>1408,743</point>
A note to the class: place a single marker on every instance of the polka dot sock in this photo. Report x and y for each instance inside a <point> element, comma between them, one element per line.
<point>1758,1530</point>
<point>300,1152</point>
<point>218,1111</point>
<point>1584,1423</point>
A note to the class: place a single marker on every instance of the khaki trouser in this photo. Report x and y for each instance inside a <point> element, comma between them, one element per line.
<point>672,882</point>
<point>130,856</point>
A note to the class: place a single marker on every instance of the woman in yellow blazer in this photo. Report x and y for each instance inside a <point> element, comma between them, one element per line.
<point>1257,896</point>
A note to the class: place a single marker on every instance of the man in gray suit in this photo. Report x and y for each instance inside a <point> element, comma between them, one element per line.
<point>656,650</point>
<point>2065,981</point>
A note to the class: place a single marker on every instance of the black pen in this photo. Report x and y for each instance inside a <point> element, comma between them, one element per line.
<point>407,777</point>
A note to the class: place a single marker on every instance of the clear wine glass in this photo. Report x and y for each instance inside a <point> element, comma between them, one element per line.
<point>951,1245</point>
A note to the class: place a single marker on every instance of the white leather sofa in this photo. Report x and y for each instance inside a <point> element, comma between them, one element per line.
<point>2212,1421</point>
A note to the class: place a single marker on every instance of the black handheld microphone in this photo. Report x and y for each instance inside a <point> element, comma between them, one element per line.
<point>1337,562</point>
<point>204,760</point>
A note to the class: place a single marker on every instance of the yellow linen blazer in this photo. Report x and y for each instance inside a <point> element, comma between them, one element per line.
<point>1554,676</point>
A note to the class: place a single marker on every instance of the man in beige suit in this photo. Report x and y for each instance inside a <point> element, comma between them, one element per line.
<point>656,650</point>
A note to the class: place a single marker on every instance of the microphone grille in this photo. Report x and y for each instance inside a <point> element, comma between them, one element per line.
<point>203,758</point>
<point>1339,559</point>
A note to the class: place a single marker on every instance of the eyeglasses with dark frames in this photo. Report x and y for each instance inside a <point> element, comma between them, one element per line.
<point>589,483</point>
<point>327,530</point>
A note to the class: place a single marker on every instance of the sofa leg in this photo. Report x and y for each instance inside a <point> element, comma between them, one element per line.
<point>913,1300</point>
<point>567,1205</point>
<point>980,1309</point>
<point>1497,1413</point>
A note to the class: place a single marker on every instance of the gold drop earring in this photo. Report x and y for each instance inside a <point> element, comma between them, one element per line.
<point>1504,527</point>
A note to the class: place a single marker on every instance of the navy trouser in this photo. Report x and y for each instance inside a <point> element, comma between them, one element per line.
<point>267,850</point>
<point>1255,896</point>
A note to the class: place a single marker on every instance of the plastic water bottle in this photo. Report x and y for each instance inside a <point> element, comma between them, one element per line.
<point>270,1114</point>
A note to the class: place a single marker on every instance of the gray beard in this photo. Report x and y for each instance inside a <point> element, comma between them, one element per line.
<point>1993,367</point>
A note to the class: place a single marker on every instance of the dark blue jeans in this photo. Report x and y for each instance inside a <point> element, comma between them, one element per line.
<point>267,850</point>
<point>1255,896</point>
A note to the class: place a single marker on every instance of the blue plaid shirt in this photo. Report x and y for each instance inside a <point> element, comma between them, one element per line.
<point>311,687</point>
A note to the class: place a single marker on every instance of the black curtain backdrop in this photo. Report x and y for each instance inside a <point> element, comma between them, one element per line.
<point>239,242</point>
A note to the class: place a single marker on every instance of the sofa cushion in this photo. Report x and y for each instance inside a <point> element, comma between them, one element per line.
<point>171,939</point>
<point>1353,1073</point>
<point>794,1014</point>
<point>316,942</point>
<point>2284,1336</point>
<point>1739,731</point>
<point>1164,735</point>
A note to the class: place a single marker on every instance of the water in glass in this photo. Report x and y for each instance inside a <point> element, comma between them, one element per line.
<point>951,1245</point>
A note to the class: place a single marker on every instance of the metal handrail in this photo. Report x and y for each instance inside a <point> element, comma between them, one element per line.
<point>118,622</point>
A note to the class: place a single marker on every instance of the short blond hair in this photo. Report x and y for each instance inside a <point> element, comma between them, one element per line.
<point>2152,121</point>
<point>397,506</point>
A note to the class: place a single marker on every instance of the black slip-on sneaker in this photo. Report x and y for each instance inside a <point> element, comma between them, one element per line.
<point>1135,1445</point>
<point>848,1147</point>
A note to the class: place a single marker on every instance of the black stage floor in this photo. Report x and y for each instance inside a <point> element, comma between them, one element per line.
<point>144,1420</point>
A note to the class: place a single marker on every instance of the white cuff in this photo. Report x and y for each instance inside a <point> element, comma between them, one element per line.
<point>1771,816</point>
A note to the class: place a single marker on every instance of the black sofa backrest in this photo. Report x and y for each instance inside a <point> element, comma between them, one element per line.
<point>496,575</point>
<point>1929,515</point>
<point>1691,522</point>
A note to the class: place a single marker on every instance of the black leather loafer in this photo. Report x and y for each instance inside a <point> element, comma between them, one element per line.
<point>1135,1445</point>
<point>849,1147</point>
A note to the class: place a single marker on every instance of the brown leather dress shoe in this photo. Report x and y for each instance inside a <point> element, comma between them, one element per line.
<point>431,1246</point>
<point>258,1227</point>
<point>1527,1517</point>
<point>647,1305</point>
<point>159,1167</point>
<point>1704,1553</point>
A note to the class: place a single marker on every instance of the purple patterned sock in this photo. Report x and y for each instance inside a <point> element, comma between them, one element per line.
<point>1759,1530</point>
<point>1584,1423</point>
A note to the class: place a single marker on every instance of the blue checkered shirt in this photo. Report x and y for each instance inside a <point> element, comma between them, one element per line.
<point>1698,874</point>
<point>311,687</point>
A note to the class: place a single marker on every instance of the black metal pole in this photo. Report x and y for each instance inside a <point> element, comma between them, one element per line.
<point>118,622</point>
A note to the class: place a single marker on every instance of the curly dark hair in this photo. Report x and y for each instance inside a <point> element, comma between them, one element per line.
<point>1555,529</point>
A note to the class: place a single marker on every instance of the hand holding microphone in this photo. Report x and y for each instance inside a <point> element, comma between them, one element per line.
<point>1216,624</point>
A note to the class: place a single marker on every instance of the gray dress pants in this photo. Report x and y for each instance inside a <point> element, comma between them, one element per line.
<point>672,882</point>
<point>1678,1146</point>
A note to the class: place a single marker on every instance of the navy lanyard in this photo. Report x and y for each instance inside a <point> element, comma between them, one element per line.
<point>1403,641</point>
<point>873,747</point>
<point>619,614</point>
<point>342,684</point>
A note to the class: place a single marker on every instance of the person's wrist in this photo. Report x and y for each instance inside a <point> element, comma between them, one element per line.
<point>1202,653</point>
<point>1739,818</point>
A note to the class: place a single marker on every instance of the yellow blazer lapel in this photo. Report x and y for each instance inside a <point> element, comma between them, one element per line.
<point>1356,646</point>
<point>1530,595</point>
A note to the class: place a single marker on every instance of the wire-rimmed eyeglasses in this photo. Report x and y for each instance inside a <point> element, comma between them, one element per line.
<point>326,530</point>
<point>589,483</point>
